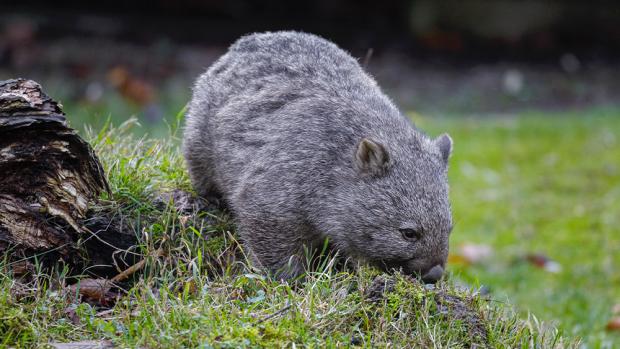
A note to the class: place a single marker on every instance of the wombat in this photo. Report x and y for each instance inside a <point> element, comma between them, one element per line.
<point>302,146</point>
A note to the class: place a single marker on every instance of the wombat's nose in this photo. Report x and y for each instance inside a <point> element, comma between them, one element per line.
<point>433,275</point>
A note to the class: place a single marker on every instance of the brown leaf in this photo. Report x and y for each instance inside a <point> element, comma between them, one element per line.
<point>541,261</point>
<point>537,259</point>
<point>72,315</point>
<point>613,324</point>
<point>131,87</point>
<point>96,291</point>
<point>22,268</point>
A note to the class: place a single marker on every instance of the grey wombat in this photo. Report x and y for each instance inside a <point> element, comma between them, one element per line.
<point>301,145</point>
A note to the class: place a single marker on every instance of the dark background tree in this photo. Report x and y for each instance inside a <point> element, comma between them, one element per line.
<point>476,28</point>
<point>121,58</point>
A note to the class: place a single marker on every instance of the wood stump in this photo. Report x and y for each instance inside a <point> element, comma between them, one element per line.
<point>50,178</point>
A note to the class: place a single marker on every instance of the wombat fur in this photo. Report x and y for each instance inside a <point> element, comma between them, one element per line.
<point>301,145</point>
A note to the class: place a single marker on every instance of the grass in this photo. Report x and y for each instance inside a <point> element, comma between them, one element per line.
<point>547,184</point>
<point>520,184</point>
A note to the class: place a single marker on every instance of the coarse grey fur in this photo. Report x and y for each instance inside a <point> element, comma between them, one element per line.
<point>301,145</point>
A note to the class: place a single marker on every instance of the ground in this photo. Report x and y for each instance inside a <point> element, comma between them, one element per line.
<point>530,187</point>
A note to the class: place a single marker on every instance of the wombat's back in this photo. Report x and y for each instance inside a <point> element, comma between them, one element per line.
<point>278,98</point>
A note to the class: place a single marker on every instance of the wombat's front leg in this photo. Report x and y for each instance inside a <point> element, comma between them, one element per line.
<point>273,247</point>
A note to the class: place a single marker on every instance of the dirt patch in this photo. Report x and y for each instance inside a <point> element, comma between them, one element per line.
<point>381,285</point>
<point>452,308</point>
<point>462,309</point>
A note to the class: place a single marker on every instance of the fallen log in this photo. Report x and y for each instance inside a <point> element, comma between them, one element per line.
<point>50,179</point>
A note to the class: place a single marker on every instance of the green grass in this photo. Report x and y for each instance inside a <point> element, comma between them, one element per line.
<point>522,185</point>
<point>545,184</point>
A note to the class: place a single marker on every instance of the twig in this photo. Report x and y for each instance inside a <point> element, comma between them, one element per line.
<point>104,313</point>
<point>134,268</point>
<point>279,312</point>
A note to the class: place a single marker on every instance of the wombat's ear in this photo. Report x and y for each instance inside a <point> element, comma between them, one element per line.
<point>444,143</point>
<point>371,157</point>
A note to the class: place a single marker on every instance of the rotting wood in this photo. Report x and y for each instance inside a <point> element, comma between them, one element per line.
<point>49,180</point>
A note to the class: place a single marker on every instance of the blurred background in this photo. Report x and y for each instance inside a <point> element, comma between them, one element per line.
<point>529,90</point>
<point>119,58</point>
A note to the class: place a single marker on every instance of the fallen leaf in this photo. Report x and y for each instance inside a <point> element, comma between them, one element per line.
<point>96,291</point>
<point>72,315</point>
<point>470,254</point>
<point>538,260</point>
<point>131,87</point>
<point>92,288</point>
<point>22,268</point>
<point>541,261</point>
<point>613,324</point>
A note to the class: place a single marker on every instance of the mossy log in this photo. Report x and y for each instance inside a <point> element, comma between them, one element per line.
<point>50,178</point>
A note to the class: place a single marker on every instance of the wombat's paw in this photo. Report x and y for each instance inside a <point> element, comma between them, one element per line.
<point>216,202</point>
<point>292,270</point>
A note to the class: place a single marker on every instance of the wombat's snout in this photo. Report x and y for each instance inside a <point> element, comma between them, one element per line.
<point>433,275</point>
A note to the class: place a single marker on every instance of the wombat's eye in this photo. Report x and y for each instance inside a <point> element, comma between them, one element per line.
<point>410,234</point>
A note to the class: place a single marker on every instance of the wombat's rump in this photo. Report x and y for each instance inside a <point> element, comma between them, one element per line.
<point>290,133</point>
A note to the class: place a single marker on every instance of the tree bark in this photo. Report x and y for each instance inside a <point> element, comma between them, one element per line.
<point>50,178</point>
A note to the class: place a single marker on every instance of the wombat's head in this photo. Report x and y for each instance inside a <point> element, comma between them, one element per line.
<point>396,213</point>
